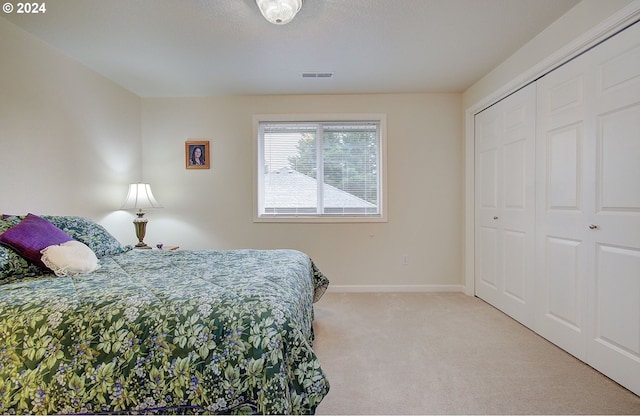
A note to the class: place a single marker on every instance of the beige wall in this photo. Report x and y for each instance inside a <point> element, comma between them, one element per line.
<point>214,208</point>
<point>69,138</point>
<point>571,26</point>
<point>71,141</point>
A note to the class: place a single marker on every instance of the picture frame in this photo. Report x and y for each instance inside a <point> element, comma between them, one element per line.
<point>196,154</point>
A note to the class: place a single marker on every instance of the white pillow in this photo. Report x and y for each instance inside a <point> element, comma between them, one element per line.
<point>70,258</point>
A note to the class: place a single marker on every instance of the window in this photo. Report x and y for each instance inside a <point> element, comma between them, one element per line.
<point>320,170</point>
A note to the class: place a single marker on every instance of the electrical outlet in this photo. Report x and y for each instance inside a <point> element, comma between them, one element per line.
<point>405,259</point>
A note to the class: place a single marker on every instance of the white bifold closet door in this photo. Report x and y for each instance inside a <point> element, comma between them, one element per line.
<point>588,207</point>
<point>505,204</point>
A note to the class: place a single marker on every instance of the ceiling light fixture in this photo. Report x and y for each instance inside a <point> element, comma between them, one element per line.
<point>279,12</point>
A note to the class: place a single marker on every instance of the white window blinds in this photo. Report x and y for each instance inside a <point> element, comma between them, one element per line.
<point>319,169</point>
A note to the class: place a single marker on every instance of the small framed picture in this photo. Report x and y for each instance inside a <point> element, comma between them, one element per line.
<point>196,154</point>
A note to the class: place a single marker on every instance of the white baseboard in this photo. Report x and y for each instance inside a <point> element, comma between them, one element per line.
<point>395,288</point>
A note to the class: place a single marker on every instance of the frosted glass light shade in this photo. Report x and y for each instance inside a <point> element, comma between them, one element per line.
<point>279,12</point>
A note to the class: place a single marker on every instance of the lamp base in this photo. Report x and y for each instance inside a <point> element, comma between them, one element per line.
<point>140,223</point>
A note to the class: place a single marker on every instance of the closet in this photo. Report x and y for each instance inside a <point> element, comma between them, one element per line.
<point>557,209</point>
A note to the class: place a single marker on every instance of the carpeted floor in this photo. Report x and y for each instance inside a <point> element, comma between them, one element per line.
<point>448,353</point>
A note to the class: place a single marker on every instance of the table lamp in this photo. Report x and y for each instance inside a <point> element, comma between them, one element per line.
<point>140,197</point>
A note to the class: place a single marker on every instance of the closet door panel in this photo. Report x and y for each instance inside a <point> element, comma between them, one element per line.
<point>564,174</point>
<point>505,207</point>
<point>614,347</point>
<point>617,283</point>
<point>487,264</point>
<point>565,287</point>
<point>515,250</point>
<point>515,162</point>
<point>488,232</point>
<point>619,157</point>
<point>588,211</point>
<point>488,173</point>
<point>562,191</point>
<point>614,223</point>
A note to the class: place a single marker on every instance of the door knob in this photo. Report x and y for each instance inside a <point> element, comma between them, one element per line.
<point>593,227</point>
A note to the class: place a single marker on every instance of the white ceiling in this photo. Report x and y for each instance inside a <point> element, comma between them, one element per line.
<point>178,48</point>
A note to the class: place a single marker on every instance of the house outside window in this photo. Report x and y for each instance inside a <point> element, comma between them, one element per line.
<point>320,168</point>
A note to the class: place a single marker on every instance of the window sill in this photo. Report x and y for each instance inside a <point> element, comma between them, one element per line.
<point>327,219</point>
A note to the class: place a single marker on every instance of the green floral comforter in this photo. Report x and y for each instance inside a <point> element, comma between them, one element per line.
<point>166,332</point>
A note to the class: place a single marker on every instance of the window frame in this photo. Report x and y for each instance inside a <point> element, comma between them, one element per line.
<point>316,118</point>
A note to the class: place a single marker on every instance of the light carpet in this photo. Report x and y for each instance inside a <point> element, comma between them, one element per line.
<point>448,353</point>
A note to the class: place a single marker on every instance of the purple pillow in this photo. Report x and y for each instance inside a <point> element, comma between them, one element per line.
<point>31,235</point>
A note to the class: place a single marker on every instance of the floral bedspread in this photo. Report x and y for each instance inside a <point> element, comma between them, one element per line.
<point>165,332</point>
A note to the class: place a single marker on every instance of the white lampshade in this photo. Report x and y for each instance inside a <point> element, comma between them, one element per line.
<point>279,12</point>
<point>140,197</point>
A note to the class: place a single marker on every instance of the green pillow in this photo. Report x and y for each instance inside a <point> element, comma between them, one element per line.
<point>87,231</point>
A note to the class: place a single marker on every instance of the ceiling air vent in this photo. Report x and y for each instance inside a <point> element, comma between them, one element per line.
<point>317,75</point>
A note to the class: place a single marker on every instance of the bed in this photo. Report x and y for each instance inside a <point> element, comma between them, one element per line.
<point>154,331</point>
